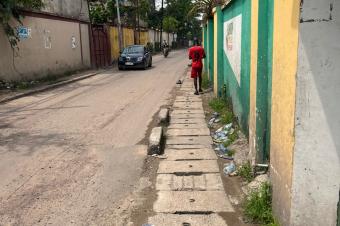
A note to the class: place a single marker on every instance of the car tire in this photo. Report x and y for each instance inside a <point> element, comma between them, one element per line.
<point>150,63</point>
<point>120,68</point>
<point>145,65</point>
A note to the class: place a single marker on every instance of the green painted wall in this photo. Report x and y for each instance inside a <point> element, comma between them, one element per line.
<point>264,79</point>
<point>205,46</point>
<point>210,51</point>
<point>239,93</point>
<point>220,52</point>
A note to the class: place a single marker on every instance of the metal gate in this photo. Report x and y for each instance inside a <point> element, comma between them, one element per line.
<point>101,56</point>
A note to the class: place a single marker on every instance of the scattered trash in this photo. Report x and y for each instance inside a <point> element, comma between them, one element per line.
<point>179,82</point>
<point>221,135</point>
<point>148,225</point>
<point>159,156</point>
<point>214,119</point>
<point>229,168</point>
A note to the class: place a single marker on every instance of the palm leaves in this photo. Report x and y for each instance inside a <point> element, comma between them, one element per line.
<point>205,7</point>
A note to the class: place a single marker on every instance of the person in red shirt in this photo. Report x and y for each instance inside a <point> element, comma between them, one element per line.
<point>196,54</point>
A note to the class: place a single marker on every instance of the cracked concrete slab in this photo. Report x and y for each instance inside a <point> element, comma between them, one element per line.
<point>203,140</point>
<point>190,219</point>
<point>190,154</point>
<point>187,167</point>
<point>189,120</point>
<point>204,182</point>
<point>192,202</point>
<point>188,132</point>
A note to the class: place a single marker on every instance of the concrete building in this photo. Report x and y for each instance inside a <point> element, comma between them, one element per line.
<point>52,42</point>
<point>279,63</point>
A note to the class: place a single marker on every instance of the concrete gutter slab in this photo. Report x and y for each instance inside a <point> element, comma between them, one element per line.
<point>203,140</point>
<point>187,146</point>
<point>192,202</point>
<point>185,121</point>
<point>192,220</point>
<point>186,126</point>
<point>188,105</point>
<point>186,116</point>
<point>175,112</point>
<point>188,132</point>
<point>187,167</point>
<point>204,182</point>
<point>190,154</point>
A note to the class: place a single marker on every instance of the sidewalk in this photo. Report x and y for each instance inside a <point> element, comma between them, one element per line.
<point>189,187</point>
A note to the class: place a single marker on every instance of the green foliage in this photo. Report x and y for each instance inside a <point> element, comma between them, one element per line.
<point>205,7</point>
<point>99,12</point>
<point>258,206</point>
<point>170,24</point>
<point>10,9</point>
<point>245,171</point>
<point>217,104</point>
<point>205,81</point>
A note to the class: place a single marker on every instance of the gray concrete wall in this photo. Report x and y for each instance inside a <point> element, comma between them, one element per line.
<point>316,169</point>
<point>77,9</point>
<point>47,51</point>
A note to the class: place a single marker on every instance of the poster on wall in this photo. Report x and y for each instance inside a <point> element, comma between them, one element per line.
<point>232,44</point>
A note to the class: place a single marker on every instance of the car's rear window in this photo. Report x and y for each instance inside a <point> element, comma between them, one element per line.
<point>134,49</point>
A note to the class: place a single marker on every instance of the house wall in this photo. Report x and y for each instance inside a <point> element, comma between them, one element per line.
<point>47,51</point>
<point>77,9</point>
<point>316,170</point>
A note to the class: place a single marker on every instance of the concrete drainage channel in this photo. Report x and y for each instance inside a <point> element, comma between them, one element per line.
<point>189,187</point>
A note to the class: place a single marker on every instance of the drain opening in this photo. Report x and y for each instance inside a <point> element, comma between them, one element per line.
<point>186,224</point>
<point>192,200</point>
<point>190,166</point>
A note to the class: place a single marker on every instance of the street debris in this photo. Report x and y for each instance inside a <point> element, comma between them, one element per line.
<point>179,82</point>
<point>255,184</point>
<point>221,135</point>
<point>215,118</point>
<point>148,225</point>
<point>223,152</point>
<point>229,168</point>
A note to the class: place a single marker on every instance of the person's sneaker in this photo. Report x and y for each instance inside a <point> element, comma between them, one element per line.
<point>201,91</point>
<point>196,93</point>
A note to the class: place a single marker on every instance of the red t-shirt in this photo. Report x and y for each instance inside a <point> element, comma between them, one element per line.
<point>196,53</point>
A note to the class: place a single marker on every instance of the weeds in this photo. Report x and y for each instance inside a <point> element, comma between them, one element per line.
<point>245,171</point>
<point>217,104</point>
<point>258,206</point>
<point>205,81</point>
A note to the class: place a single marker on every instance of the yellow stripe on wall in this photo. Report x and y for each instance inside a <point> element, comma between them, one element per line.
<point>215,54</point>
<point>285,52</point>
<point>253,77</point>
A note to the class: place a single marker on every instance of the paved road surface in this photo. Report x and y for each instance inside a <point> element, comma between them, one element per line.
<point>67,156</point>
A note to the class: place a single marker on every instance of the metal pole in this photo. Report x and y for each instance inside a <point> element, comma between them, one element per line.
<point>120,33</point>
<point>161,36</point>
<point>138,25</point>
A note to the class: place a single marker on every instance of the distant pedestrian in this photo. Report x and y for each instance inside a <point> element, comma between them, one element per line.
<point>196,54</point>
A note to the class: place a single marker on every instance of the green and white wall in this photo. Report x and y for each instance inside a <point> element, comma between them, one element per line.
<point>284,84</point>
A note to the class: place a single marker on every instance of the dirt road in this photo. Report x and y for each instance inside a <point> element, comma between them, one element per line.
<point>69,156</point>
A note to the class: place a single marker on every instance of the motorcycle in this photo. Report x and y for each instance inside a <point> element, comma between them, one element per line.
<point>165,52</point>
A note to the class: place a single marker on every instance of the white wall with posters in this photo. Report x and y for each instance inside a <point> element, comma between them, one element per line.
<point>232,44</point>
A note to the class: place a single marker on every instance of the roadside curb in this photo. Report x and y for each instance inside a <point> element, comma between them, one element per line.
<point>155,141</point>
<point>49,87</point>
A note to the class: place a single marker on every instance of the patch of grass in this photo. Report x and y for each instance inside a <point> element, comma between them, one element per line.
<point>231,153</point>
<point>258,206</point>
<point>245,171</point>
<point>227,116</point>
<point>217,104</point>
<point>205,81</point>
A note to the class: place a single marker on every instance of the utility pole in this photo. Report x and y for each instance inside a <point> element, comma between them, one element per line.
<point>162,15</point>
<point>138,25</point>
<point>120,33</point>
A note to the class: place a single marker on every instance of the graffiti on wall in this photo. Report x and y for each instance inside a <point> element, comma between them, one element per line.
<point>232,44</point>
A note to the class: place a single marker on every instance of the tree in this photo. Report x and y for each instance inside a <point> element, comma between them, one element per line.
<point>205,7</point>
<point>11,9</point>
<point>170,24</point>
